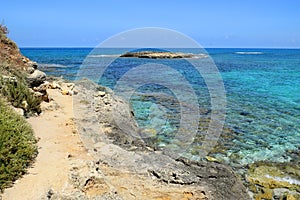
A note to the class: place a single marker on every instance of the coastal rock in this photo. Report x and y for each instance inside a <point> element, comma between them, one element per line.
<point>86,181</point>
<point>41,91</point>
<point>54,85</point>
<point>67,89</point>
<point>31,66</point>
<point>161,55</point>
<point>271,180</point>
<point>100,94</point>
<point>30,70</point>
<point>107,109</point>
<point>36,78</point>
<point>20,111</point>
<point>109,131</point>
<point>65,92</point>
<point>70,85</point>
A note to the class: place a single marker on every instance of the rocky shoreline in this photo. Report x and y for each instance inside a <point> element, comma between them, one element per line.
<point>118,164</point>
<point>125,151</point>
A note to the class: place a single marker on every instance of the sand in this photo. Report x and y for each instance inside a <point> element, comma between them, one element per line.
<point>57,142</point>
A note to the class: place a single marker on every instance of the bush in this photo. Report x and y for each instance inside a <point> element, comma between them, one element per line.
<point>19,95</point>
<point>17,146</point>
<point>3,29</point>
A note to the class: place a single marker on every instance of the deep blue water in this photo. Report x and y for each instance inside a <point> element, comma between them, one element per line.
<point>262,91</point>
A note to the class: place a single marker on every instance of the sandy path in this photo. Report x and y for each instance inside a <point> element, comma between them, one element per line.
<point>58,146</point>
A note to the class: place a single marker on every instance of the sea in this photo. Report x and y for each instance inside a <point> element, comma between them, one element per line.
<point>262,88</point>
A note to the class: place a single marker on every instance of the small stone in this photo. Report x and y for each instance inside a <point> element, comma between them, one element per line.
<point>65,92</point>
<point>30,70</point>
<point>20,111</point>
<point>24,105</point>
<point>211,159</point>
<point>71,85</point>
<point>290,197</point>
<point>75,92</point>
<point>38,94</point>
<point>100,94</point>
<point>34,65</point>
<point>54,85</point>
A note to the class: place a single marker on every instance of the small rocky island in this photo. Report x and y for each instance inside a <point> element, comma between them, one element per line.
<point>161,55</point>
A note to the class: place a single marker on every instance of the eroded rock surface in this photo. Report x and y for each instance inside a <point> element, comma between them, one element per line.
<point>124,151</point>
<point>274,181</point>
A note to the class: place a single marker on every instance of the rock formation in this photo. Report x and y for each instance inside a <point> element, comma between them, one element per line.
<point>161,55</point>
<point>123,150</point>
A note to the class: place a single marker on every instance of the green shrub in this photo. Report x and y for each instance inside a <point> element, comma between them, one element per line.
<point>8,70</point>
<point>18,94</point>
<point>17,146</point>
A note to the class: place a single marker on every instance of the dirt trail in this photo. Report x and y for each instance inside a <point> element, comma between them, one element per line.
<point>58,146</point>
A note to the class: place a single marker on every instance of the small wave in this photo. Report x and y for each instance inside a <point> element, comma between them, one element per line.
<point>249,52</point>
<point>104,55</point>
<point>197,56</point>
<point>52,66</point>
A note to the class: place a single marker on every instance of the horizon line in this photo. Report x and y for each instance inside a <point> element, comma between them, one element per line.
<point>210,47</point>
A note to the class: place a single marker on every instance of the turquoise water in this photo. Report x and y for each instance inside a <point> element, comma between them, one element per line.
<point>262,90</point>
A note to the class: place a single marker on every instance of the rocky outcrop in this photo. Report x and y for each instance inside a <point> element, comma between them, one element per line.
<point>274,181</point>
<point>10,54</point>
<point>160,55</point>
<point>123,149</point>
<point>23,72</point>
<point>36,78</point>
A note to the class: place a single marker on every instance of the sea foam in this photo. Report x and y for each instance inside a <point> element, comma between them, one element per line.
<point>104,55</point>
<point>52,66</point>
<point>249,52</point>
<point>284,179</point>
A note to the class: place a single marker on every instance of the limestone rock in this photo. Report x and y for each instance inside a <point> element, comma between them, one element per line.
<point>68,89</point>
<point>31,66</point>
<point>267,181</point>
<point>70,85</point>
<point>86,181</point>
<point>109,131</point>
<point>30,70</point>
<point>36,78</point>
<point>20,111</point>
<point>65,92</point>
<point>160,55</point>
<point>54,85</point>
<point>100,94</point>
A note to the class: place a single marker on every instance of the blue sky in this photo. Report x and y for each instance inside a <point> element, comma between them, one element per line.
<point>234,23</point>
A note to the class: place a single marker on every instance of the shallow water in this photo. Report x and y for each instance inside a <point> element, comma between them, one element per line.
<point>262,90</point>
